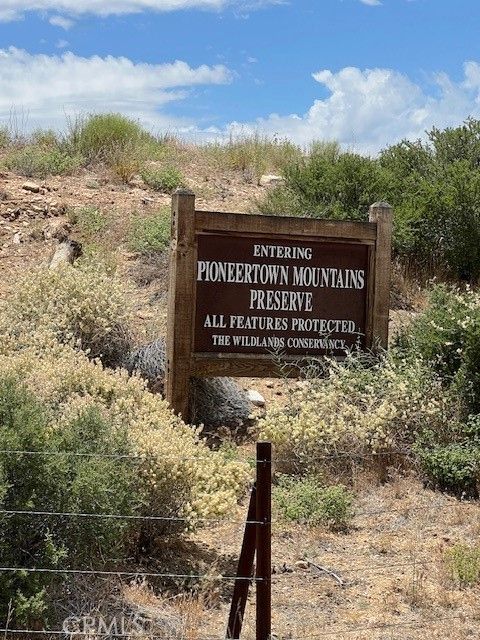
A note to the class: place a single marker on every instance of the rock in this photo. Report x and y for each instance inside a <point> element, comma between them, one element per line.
<point>59,229</point>
<point>217,402</point>
<point>67,252</point>
<point>17,238</point>
<point>256,398</point>
<point>11,214</point>
<point>270,180</point>
<point>31,186</point>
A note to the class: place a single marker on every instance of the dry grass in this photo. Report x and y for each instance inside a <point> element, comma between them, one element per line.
<point>392,561</point>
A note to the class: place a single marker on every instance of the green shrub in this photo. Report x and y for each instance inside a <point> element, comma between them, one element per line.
<point>90,221</point>
<point>463,564</point>
<point>453,467</point>
<point>165,180</point>
<point>59,484</point>
<point>97,135</point>
<point>434,187</point>
<point>328,183</point>
<point>306,500</point>
<point>447,336</point>
<point>116,140</point>
<point>150,234</point>
<point>39,162</point>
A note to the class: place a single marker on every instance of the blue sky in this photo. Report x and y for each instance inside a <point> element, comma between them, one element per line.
<point>363,71</point>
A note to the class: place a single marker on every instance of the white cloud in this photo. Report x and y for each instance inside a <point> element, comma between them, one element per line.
<point>15,9</point>
<point>62,44</point>
<point>368,109</point>
<point>61,21</point>
<point>45,88</point>
<point>371,3</point>
<point>364,109</point>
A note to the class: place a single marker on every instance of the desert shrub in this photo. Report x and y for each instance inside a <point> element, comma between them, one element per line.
<point>125,161</point>
<point>359,409</point>
<point>165,179</point>
<point>5,139</point>
<point>328,183</point>
<point>434,186</point>
<point>96,135</point>
<point>86,306</point>
<point>53,399</point>
<point>89,220</point>
<point>115,140</point>
<point>36,161</point>
<point>452,467</point>
<point>46,138</point>
<point>307,500</point>
<point>463,564</point>
<point>150,234</point>
<point>178,472</point>
<point>254,154</point>
<point>447,336</point>
<point>60,484</point>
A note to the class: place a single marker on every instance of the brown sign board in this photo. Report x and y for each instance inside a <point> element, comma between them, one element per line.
<point>290,297</point>
<point>250,291</point>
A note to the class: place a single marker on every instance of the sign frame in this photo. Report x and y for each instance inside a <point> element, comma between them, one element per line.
<point>188,223</point>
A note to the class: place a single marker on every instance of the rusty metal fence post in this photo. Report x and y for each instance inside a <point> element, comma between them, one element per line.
<point>244,572</point>
<point>264,541</point>
<point>257,541</point>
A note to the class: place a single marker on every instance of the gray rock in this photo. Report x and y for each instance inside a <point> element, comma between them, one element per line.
<point>216,402</point>
<point>31,186</point>
<point>271,180</point>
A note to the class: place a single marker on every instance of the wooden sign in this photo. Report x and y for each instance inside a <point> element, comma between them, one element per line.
<point>250,291</point>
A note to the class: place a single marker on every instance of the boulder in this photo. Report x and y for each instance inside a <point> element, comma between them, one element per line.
<point>216,402</point>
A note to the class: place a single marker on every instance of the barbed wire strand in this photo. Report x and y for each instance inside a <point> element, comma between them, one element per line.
<point>337,631</point>
<point>94,634</point>
<point>153,518</point>
<point>130,574</point>
<point>383,626</point>
<point>146,457</point>
<point>287,575</point>
<point>109,516</point>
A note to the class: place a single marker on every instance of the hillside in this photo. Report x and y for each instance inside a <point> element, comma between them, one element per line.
<point>369,560</point>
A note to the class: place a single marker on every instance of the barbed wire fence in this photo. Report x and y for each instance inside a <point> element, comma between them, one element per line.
<point>254,566</point>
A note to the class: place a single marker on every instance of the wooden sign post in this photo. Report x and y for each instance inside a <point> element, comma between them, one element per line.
<point>248,290</point>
